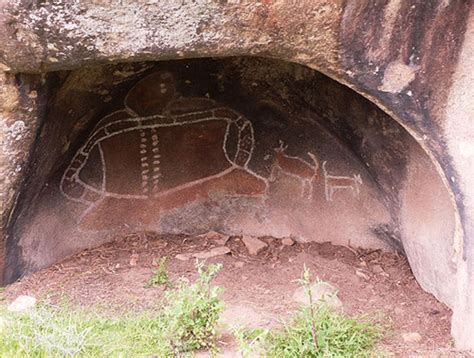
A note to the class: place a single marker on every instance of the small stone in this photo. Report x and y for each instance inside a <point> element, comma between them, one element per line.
<point>216,251</point>
<point>133,259</point>
<point>239,264</point>
<point>411,337</point>
<point>183,257</point>
<point>320,292</point>
<point>223,240</point>
<point>377,269</point>
<point>4,68</point>
<point>361,274</point>
<point>254,245</point>
<point>287,242</point>
<point>399,311</point>
<point>22,303</point>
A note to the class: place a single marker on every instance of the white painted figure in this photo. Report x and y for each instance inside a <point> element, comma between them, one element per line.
<point>333,183</point>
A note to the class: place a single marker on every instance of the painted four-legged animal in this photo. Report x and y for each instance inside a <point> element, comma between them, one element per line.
<point>332,183</point>
<point>297,168</point>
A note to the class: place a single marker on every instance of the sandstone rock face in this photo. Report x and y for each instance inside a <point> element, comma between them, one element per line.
<point>175,152</point>
<point>113,141</point>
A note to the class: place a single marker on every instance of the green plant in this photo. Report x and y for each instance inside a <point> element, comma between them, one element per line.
<point>305,281</point>
<point>251,341</point>
<point>186,321</point>
<point>61,331</point>
<point>338,335</point>
<point>160,275</point>
<point>315,331</point>
<point>192,311</point>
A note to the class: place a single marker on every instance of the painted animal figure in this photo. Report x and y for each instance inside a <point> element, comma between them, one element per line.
<point>296,167</point>
<point>332,183</point>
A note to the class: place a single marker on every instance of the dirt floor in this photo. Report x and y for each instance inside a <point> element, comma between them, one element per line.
<point>258,288</point>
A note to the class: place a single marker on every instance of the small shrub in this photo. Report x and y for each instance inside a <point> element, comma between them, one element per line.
<point>192,311</point>
<point>160,275</point>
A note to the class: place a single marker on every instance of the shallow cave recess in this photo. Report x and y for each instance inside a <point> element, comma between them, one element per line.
<point>243,146</point>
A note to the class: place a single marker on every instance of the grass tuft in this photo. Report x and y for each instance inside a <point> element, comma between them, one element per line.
<point>160,275</point>
<point>338,335</point>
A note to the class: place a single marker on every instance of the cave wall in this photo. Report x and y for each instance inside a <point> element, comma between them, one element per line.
<point>241,145</point>
<point>225,147</point>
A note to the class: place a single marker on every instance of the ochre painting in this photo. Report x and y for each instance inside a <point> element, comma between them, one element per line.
<point>162,151</point>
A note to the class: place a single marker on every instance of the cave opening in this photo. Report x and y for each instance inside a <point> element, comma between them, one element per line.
<point>239,145</point>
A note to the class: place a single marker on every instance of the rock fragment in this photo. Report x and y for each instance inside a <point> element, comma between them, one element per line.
<point>216,251</point>
<point>183,257</point>
<point>377,269</point>
<point>253,245</point>
<point>219,238</point>
<point>411,337</point>
<point>320,292</point>
<point>22,303</point>
<point>362,274</point>
<point>133,260</point>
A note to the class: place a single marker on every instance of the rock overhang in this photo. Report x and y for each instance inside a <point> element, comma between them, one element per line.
<point>397,59</point>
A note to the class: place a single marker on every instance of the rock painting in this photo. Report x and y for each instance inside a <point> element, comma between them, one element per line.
<point>333,183</point>
<point>158,153</point>
<point>297,168</point>
<point>163,151</point>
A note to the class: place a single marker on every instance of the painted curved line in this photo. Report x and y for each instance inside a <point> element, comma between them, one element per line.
<point>136,123</point>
